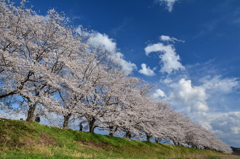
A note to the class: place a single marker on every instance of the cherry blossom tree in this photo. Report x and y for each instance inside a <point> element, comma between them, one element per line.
<point>32,51</point>
<point>46,65</point>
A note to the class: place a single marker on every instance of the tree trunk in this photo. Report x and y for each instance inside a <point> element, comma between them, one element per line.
<point>91,125</point>
<point>31,111</point>
<point>128,134</point>
<point>66,120</point>
<point>80,127</point>
<point>111,130</point>
<point>174,143</point>
<point>156,140</point>
<point>148,138</point>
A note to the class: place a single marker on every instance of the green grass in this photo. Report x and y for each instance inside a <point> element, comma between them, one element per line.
<point>21,139</point>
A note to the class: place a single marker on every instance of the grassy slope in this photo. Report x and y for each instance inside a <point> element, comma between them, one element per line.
<point>20,139</point>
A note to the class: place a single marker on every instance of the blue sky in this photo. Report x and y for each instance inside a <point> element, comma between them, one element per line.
<point>189,48</point>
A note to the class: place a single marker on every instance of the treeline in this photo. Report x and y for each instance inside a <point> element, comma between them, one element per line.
<point>50,66</point>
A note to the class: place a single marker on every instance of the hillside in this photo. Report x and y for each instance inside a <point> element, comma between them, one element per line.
<point>21,139</point>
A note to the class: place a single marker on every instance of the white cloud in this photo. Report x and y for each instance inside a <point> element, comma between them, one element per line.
<point>199,107</point>
<point>102,40</point>
<point>169,4</point>
<point>183,93</point>
<point>166,81</point>
<point>146,70</point>
<point>169,58</point>
<point>83,32</point>
<point>127,66</point>
<point>167,38</point>
<point>235,130</point>
<point>159,93</point>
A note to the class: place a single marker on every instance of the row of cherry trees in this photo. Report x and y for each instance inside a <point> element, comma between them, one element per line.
<point>46,65</point>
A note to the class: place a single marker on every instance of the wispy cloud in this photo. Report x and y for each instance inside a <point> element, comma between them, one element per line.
<point>122,26</point>
<point>71,19</point>
<point>216,84</point>
<point>169,3</point>
<point>78,17</point>
<point>169,39</point>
